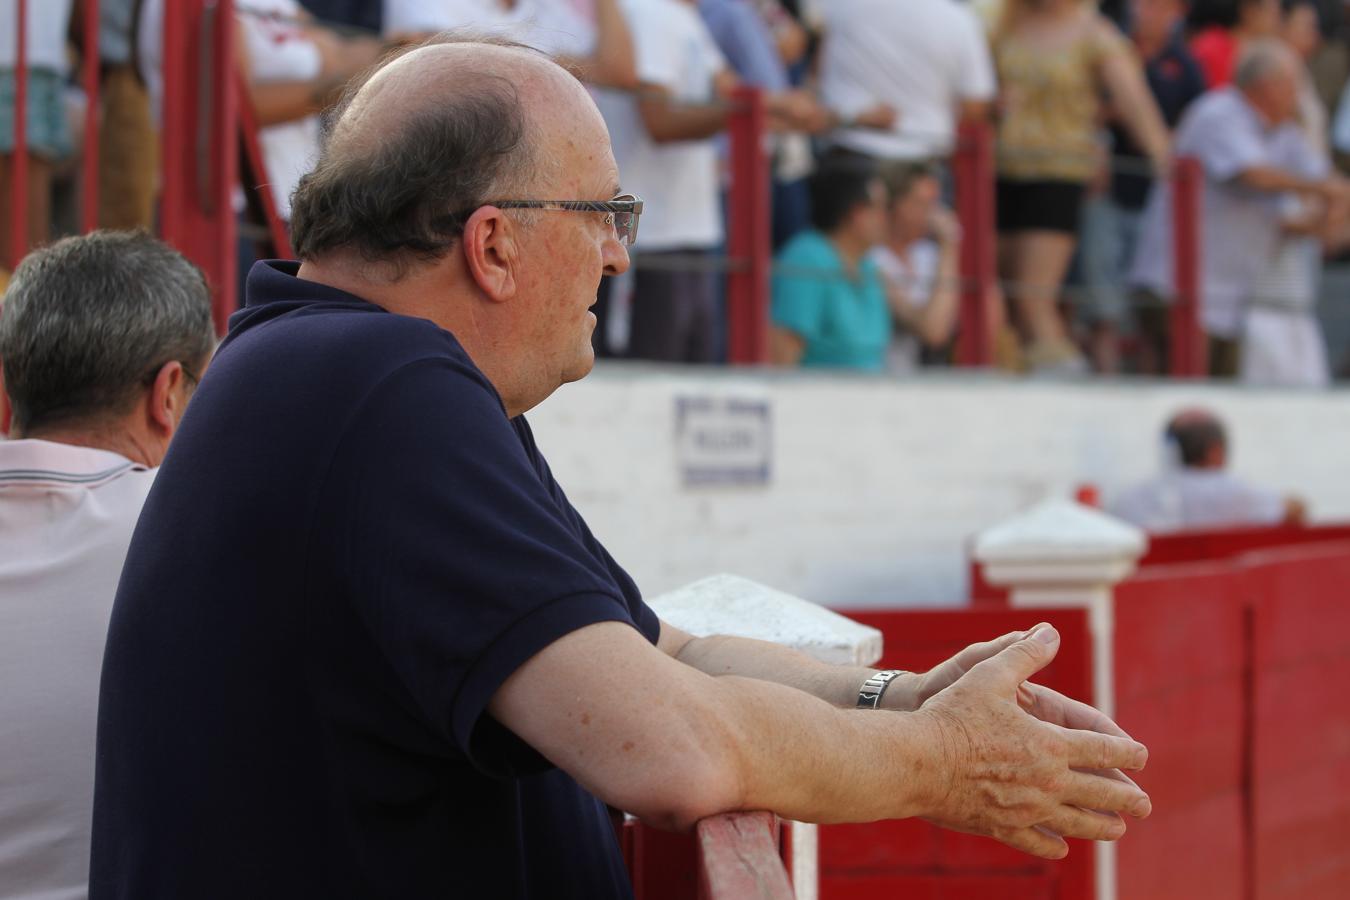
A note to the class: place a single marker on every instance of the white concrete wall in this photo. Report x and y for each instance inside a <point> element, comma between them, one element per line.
<point>877,484</point>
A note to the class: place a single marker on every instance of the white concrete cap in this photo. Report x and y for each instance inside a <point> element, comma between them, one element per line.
<point>1060,541</point>
<point>729,604</point>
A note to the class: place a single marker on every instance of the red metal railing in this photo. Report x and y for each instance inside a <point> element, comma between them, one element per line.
<point>749,236</point>
<point>89,75</point>
<point>1189,349</point>
<point>200,158</point>
<point>973,172</point>
<point>18,174</point>
<point>18,169</point>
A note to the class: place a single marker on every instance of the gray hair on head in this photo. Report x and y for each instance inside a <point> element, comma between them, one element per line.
<point>399,194</point>
<point>1260,60</point>
<point>88,319</point>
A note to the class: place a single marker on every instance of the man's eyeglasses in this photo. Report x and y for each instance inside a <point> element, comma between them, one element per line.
<point>622,212</point>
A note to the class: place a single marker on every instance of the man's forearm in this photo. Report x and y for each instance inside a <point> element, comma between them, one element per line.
<point>810,762</point>
<point>671,744</point>
<point>668,120</point>
<point>1273,180</point>
<point>837,685</point>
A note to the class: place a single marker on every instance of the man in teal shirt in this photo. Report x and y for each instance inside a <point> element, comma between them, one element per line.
<point>829,303</point>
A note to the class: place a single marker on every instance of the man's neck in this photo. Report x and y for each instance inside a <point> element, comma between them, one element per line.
<point>114,440</point>
<point>425,300</point>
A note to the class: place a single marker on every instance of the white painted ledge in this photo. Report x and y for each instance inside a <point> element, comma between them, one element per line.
<point>728,604</point>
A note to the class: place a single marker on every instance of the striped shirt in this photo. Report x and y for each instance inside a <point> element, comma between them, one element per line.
<point>66,517</point>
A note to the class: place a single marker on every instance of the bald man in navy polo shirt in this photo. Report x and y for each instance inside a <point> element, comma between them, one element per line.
<point>364,646</point>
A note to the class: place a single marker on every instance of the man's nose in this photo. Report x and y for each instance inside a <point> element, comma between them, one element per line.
<point>616,257</point>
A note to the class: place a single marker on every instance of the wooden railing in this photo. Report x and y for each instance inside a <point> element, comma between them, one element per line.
<point>734,856</point>
<point>739,858</point>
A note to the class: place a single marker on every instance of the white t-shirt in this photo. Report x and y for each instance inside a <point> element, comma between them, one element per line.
<point>677,181</point>
<point>916,280</point>
<point>1197,498</point>
<point>66,517</point>
<point>922,57</point>
<point>278,50</point>
<point>48,22</point>
<point>555,27</point>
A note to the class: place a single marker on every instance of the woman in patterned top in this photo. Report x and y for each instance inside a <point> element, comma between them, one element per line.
<point>1056,60</point>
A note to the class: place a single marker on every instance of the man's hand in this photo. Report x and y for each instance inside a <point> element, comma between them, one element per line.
<point>1026,781</point>
<point>913,690</point>
<point>881,117</point>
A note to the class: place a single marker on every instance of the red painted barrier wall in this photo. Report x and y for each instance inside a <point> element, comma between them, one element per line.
<point>1201,545</point>
<point>1225,543</point>
<point>1300,722</point>
<point>1180,650</point>
<point>917,861</point>
<point>1234,671</point>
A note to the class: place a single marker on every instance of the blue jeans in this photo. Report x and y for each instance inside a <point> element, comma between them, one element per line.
<point>1108,238</point>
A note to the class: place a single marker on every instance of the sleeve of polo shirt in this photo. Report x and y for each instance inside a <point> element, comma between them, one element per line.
<point>1228,145</point>
<point>1303,160</point>
<point>799,296</point>
<point>454,553</point>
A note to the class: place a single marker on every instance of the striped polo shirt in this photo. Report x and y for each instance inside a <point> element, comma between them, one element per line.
<point>66,517</point>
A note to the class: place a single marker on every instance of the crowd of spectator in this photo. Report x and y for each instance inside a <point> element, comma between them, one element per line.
<point>1089,107</point>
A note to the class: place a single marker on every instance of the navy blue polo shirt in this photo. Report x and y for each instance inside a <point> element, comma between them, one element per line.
<point>349,547</point>
<point>1175,79</point>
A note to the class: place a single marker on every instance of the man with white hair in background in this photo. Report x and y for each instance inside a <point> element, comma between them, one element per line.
<point>102,338</point>
<point>1254,155</point>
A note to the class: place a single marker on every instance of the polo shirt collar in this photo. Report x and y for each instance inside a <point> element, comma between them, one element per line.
<point>37,462</point>
<point>271,280</point>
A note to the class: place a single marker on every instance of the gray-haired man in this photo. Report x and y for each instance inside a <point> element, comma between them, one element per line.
<point>1254,155</point>
<point>102,338</point>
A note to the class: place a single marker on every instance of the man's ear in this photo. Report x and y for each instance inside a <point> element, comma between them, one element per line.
<point>491,252</point>
<point>166,400</point>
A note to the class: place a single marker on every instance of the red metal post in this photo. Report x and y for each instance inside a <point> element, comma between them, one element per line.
<point>1189,348</point>
<point>973,171</point>
<point>248,139</point>
<point>200,161</point>
<point>749,242</point>
<point>89,68</point>
<point>18,168</point>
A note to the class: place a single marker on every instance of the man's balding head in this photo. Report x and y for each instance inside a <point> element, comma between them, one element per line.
<point>422,141</point>
<point>403,210</point>
<point>1199,437</point>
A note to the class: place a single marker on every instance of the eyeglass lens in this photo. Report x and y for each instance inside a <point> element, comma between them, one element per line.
<point>625,224</point>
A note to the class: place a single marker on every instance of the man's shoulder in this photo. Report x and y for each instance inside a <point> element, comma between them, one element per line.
<point>1221,107</point>
<point>323,334</point>
<point>809,246</point>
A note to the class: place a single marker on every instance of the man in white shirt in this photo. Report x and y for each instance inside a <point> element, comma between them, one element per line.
<point>663,143</point>
<point>103,338</point>
<point>595,43</point>
<point>927,59</point>
<point>1195,491</point>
